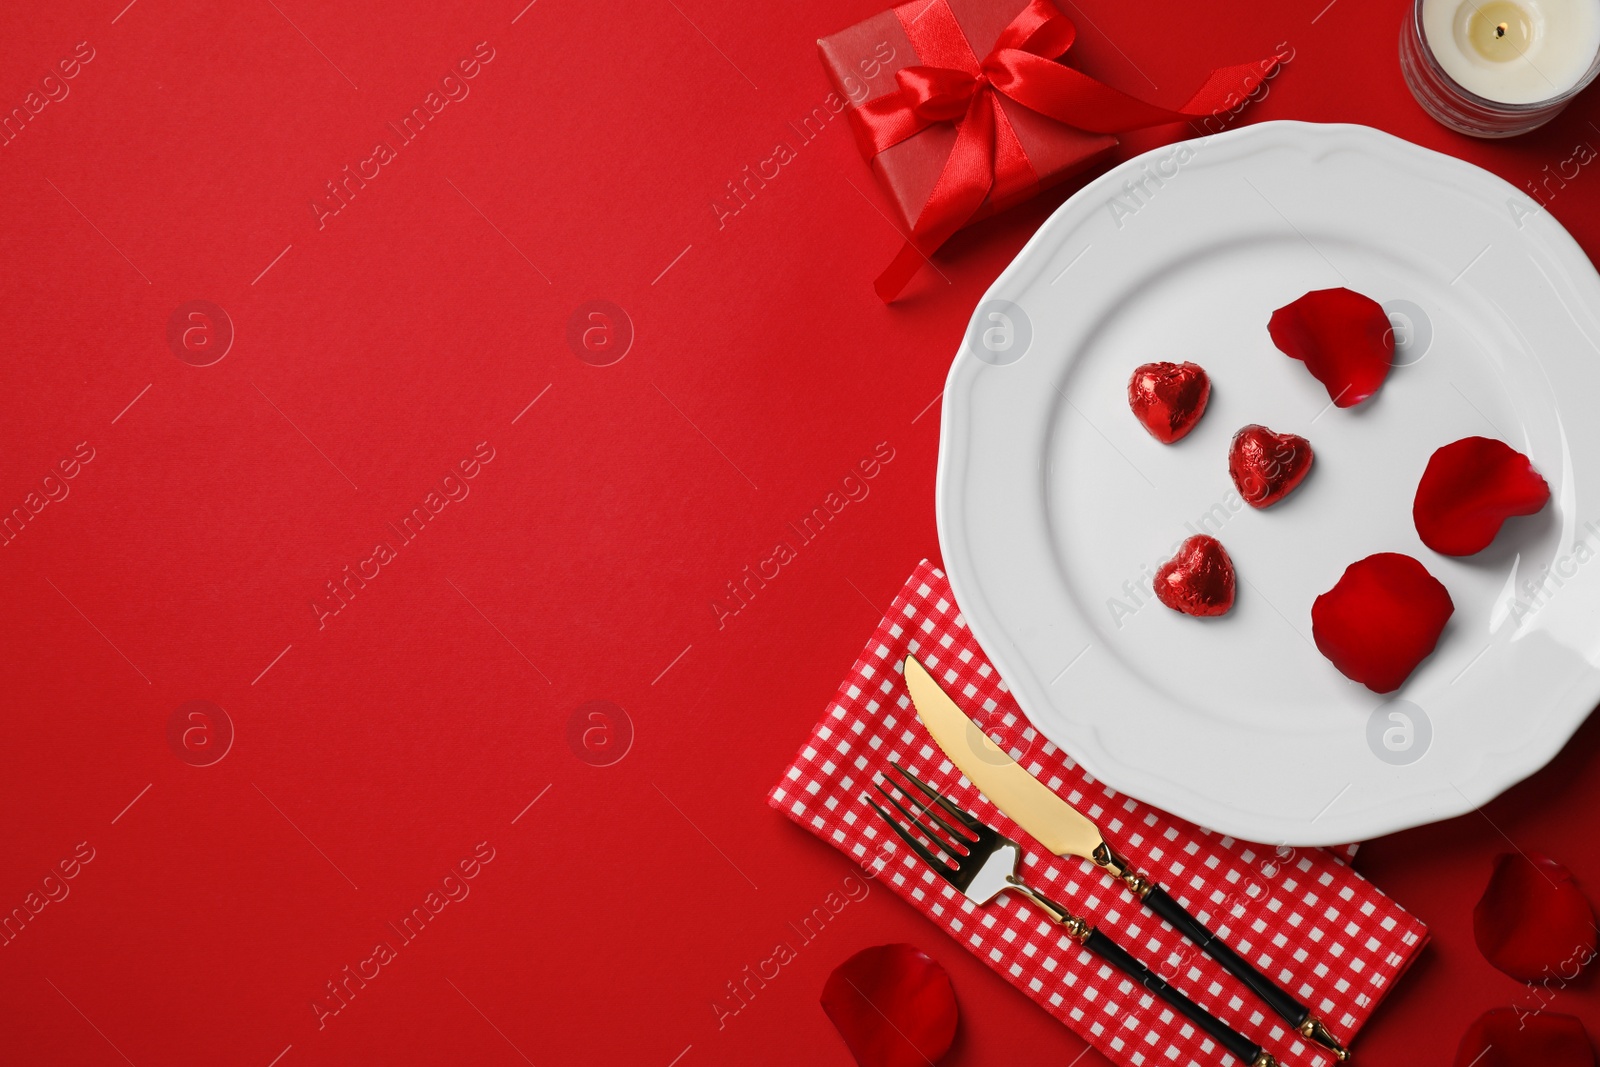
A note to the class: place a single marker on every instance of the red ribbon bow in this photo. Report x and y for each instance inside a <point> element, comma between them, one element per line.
<point>988,160</point>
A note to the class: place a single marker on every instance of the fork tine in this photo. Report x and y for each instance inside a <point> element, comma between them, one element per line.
<point>937,863</point>
<point>925,814</point>
<point>954,852</point>
<point>966,819</point>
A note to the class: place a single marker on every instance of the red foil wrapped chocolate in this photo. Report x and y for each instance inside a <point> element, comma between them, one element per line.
<point>1169,398</point>
<point>1266,466</point>
<point>962,110</point>
<point>1199,580</point>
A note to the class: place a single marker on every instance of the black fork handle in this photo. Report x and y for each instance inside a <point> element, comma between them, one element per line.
<point>1247,1052</point>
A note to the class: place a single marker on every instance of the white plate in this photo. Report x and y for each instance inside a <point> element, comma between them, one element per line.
<point>1055,505</point>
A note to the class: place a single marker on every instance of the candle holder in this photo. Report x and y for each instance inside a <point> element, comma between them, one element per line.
<point>1466,111</point>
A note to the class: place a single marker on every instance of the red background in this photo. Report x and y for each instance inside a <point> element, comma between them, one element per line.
<point>375,753</point>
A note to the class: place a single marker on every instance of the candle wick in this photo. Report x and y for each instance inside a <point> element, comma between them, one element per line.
<point>1500,30</point>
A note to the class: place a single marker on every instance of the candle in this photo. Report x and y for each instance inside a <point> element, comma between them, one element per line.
<point>1496,68</point>
<point>1514,51</point>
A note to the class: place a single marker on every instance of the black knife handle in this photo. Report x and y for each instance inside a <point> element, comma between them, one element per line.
<point>1247,1052</point>
<point>1287,1007</point>
<point>1283,1004</point>
<point>1274,996</point>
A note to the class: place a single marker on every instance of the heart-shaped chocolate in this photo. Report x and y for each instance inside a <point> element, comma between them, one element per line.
<point>1381,619</point>
<point>1469,489</point>
<point>1344,339</point>
<point>1267,466</point>
<point>1199,580</point>
<point>1169,398</point>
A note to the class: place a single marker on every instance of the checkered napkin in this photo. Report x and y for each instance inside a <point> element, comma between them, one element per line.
<point>1302,916</point>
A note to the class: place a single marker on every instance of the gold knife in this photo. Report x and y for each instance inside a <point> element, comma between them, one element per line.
<point>1066,831</point>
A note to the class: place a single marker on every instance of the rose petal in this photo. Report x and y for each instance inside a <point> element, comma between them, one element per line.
<point>893,1005</point>
<point>1524,1037</point>
<point>1470,488</point>
<point>1342,337</point>
<point>1381,619</point>
<point>1533,922</point>
<point>1169,398</point>
<point>1199,580</point>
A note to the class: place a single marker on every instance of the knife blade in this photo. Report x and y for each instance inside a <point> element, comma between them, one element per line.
<point>1053,822</point>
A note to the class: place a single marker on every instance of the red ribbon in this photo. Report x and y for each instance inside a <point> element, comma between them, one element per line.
<point>953,85</point>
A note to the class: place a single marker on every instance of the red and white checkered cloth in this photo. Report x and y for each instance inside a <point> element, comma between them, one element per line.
<point>1302,916</point>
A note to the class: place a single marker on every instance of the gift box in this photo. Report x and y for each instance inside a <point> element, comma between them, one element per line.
<point>962,110</point>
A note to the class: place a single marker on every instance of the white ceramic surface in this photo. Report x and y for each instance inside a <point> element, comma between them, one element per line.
<point>1055,505</point>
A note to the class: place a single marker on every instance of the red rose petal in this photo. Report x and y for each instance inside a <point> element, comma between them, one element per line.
<point>1470,487</point>
<point>1524,1037</point>
<point>1381,619</point>
<point>1533,922</point>
<point>1199,580</point>
<point>1267,466</point>
<point>1342,337</point>
<point>1169,398</point>
<point>893,1005</point>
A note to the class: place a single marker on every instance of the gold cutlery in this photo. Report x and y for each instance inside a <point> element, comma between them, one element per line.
<point>1065,831</point>
<point>982,863</point>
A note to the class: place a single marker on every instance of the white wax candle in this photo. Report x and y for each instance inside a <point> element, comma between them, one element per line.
<point>1514,51</point>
